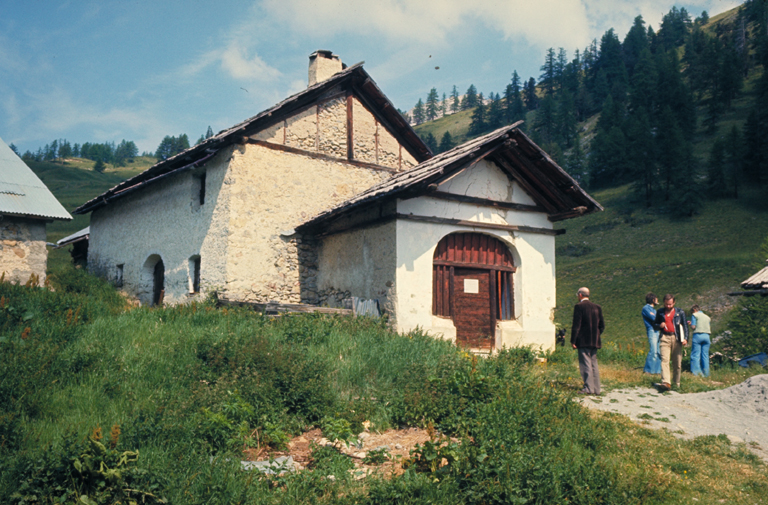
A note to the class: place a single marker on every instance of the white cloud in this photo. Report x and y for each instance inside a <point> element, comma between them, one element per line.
<point>235,60</point>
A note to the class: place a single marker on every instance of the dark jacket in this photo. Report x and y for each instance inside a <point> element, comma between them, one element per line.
<point>588,325</point>
<point>681,326</point>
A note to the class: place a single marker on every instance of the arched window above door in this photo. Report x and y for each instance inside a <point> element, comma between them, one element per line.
<point>478,252</point>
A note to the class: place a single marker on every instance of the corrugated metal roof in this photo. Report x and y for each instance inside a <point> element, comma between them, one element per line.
<point>83,234</point>
<point>757,281</point>
<point>22,192</point>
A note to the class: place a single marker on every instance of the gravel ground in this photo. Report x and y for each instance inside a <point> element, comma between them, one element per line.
<point>740,411</point>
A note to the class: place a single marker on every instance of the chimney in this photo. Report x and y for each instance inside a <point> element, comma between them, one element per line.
<point>322,65</point>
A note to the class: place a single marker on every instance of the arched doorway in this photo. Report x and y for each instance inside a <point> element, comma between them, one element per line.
<point>153,281</point>
<point>472,283</point>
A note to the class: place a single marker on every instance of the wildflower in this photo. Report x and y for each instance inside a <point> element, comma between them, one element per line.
<point>114,436</point>
<point>25,333</point>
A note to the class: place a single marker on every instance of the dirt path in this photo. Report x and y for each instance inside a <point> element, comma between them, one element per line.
<point>740,411</point>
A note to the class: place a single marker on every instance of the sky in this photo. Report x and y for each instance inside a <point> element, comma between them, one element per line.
<point>104,71</point>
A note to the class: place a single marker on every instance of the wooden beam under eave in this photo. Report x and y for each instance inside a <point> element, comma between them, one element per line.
<point>535,173</point>
<point>540,199</point>
<point>575,212</point>
<point>350,127</point>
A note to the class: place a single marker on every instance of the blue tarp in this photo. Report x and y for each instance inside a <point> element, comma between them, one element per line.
<point>761,358</point>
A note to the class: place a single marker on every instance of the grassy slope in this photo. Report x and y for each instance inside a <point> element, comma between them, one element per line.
<point>634,250</point>
<point>74,183</point>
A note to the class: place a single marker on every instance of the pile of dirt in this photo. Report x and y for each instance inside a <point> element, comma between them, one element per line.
<point>398,444</point>
<point>740,411</point>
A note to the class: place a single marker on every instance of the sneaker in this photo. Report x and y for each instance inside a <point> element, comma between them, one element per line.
<point>583,392</point>
<point>665,386</point>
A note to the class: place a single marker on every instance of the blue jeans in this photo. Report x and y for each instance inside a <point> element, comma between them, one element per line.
<point>700,354</point>
<point>653,361</point>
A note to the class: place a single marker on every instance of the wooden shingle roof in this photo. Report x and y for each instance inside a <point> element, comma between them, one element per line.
<point>757,281</point>
<point>556,192</point>
<point>353,78</point>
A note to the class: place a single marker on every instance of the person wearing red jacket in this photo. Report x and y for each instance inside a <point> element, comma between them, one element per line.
<point>674,336</point>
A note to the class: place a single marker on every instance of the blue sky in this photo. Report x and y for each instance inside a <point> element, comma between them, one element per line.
<point>98,71</point>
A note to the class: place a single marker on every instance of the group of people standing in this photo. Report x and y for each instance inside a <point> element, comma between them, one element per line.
<point>668,332</point>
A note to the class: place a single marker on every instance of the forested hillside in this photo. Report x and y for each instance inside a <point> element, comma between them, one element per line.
<point>678,112</point>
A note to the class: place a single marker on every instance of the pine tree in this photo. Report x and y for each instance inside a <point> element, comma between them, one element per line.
<point>641,155</point>
<point>575,162</point>
<point>470,98</point>
<point>734,160</point>
<point>208,133</point>
<point>479,121</point>
<point>99,166</point>
<point>495,112</point>
<point>432,105</point>
<point>715,173</point>
<point>548,73</point>
<point>418,112</point>
<point>634,44</point>
<point>430,141</point>
<point>444,106</point>
<point>446,143</point>
<point>644,83</point>
<point>455,103</point>
<point>529,95</point>
<point>566,118</point>
<point>14,149</point>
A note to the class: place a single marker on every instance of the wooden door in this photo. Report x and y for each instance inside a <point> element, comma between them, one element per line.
<point>472,308</point>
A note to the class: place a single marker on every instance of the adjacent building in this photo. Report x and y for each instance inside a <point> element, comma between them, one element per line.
<point>26,205</point>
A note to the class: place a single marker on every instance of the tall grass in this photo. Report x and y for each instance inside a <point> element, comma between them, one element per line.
<point>183,390</point>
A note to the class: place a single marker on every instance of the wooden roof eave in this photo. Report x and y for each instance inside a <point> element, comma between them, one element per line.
<point>424,184</point>
<point>343,80</point>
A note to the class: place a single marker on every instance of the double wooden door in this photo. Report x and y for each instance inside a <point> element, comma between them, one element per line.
<point>472,284</point>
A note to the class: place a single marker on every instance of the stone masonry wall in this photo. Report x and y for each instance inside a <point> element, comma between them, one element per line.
<point>323,129</point>
<point>272,192</point>
<point>22,249</point>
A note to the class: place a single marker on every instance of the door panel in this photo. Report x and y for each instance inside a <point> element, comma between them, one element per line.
<point>471,309</point>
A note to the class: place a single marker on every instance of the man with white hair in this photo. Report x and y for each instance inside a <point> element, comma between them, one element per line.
<point>588,325</point>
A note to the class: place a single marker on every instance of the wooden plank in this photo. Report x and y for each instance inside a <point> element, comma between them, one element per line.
<point>492,289</point>
<point>452,291</point>
<point>474,265</point>
<point>535,173</point>
<point>284,307</point>
<point>526,185</point>
<point>474,224</point>
<point>357,226</point>
<point>485,202</point>
<point>350,127</point>
<point>320,156</point>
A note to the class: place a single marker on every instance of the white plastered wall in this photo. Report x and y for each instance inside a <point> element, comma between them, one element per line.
<point>167,220</point>
<point>533,253</point>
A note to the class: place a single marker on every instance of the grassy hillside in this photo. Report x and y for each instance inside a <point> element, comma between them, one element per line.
<point>74,182</point>
<point>628,250</point>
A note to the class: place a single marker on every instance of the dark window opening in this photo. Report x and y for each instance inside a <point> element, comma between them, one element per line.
<point>194,271</point>
<point>119,276</point>
<point>202,188</point>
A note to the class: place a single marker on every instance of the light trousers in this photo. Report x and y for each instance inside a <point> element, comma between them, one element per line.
<point>671,348</point>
